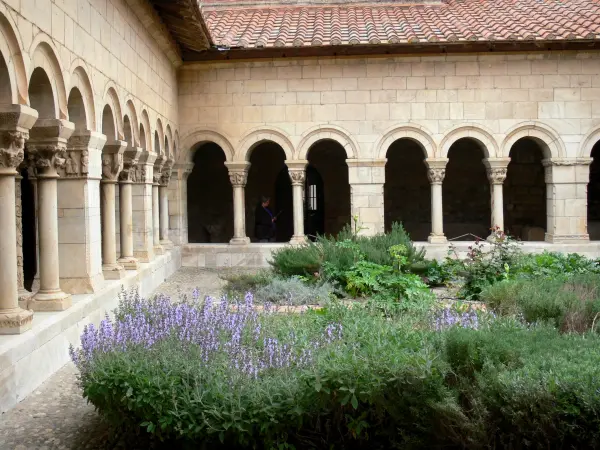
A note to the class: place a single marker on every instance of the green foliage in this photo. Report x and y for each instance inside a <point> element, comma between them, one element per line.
<point>240,283</point>
<point>303,260</point>
<point>552,263</point>
<point>570,303</point>
<point>293,291</point>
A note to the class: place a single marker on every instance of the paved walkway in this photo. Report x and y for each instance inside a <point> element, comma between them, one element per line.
<point>56,416</point>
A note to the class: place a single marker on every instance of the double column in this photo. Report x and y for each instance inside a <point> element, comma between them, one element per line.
<point>156,176</point>
<point>497,169</point>
<point>127,172</point>
<point>436,171</point>
<point>297,171</point>
<point>163,189</point>
<point>112,164</point>
<point>238,175</point>
<point>15,123</point>
<point>47,153</point>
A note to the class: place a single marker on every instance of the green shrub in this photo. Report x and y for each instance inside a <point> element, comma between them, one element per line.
<point>570,303</point>
<point>303,260</point>
<point>553,263</point>
<point>293,291</point>
<point>239,283</point>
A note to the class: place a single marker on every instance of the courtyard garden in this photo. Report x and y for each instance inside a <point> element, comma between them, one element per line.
<point>354,342</point>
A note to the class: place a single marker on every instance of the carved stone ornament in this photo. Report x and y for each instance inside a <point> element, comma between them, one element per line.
<point>238,178</point>
<point>497,176</point>
<point>297,177</point>
<point>47,157</point>
<point>112,164</point>
<point>134,173</point>
<point>165,175</point>
<point>12,150</point>
<point>436,176</point>
<point>157,173</point>
<point>19,319</point>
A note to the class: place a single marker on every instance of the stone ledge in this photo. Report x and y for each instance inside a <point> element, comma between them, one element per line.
<point>27,360</point>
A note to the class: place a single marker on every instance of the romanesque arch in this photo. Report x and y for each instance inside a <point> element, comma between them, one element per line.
<point>80,85</point>
<point>203,135</point>
<point>169,142</point>
<point>258,136</point>
<point>145,132</point>
<point>589,140</point>
<point>415,133</point>
<point>547,138</point>
<point>590,148</point>
<point>160,135</point>
<point>44,59</point>
<point>132,117</point>
<point>16,78</point>
<point>330,133</point>
<point>482,135</point>
<point>111,99</point>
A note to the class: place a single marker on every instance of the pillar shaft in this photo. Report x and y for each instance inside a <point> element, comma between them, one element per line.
<point>496,168</point>
<point>436,173</point>
<point>156,221</point>
<point>24,295</point>
<point>129,165</point>
<point>47,151</point>
<point>164,215</point>
<point>238,175</point>
<point>297,171</point>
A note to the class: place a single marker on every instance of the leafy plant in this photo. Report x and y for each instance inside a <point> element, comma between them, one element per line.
<point>293,291</point>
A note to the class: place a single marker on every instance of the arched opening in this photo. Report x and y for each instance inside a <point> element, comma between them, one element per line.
<point>41,97</point>
<point>156,143</point>
<point>5,92</point>
<point>406,192</point>
<point>128,131</point>
<point>167,149</point>
<point>594,195</point>
<point>76,108</point>
<point>209,197</point>
<point>268,176</point>
<point>525,192</point>
<point>328,159</point>
<point>108,129</point>
<point>108,124</point>
<point>466,192</point>
<point>142,137</point>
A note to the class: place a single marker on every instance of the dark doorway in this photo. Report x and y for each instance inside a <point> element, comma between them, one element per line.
<point>328,158</point>
<point>525,192</point>
<point>210,197</point>
<point>466,192</point>
<point>594,195</point>
<point>268,176</point>
<point>407,192</point>
<point>29,230</point>
<point>314,204</point>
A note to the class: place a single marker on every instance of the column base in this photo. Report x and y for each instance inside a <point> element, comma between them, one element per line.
<point>144,256</point>
<point>298,240</point>
<point>437,239</point>
<point>82,285</point>
<point>159,250</point>
<point>129,263</point>
<point>567,238</point>
<point>166,244</point>
<point>24,297</point>
<point>15,321</point>
<point>113,272</point>
<point>240,241</point>
<point>50,301</point>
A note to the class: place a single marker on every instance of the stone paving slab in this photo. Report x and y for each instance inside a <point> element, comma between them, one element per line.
<point>56,416</point>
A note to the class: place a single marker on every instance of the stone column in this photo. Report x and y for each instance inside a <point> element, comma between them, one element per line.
<point>79,236</point>
<point>130,159</point>
<point>143,242</point>
<point>156,175</point>
<point>496,171</point>
<point>436,173</point>
<point>163,190</point>
<point>566,197</point>
<point>366,177</point>
<point>297,171</point>
<point>178,204</point>
<point>238,175</point>
<point>47,151</point>
<point>24,294</point>
<point>112,164</point>
<point>15,122</point>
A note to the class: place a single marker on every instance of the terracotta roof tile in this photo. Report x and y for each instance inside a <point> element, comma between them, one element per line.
<point>375,23</point>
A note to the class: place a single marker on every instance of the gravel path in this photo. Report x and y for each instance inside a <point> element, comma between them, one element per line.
<point>56,416</point>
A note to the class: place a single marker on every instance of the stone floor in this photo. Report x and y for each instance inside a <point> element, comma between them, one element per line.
<point>56,416</point>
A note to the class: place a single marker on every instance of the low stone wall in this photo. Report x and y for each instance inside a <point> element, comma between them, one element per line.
<point>216,256</point>
<point>27,360</point>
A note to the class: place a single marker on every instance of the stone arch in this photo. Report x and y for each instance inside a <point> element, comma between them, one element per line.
<point>176,146</point>
<point>145,132</point>
<point>43,56</point>
<point>111,98</point>
<point>169,142</point>
<point>328,132</point>
<point>81,81</point>
<point>264,134</point>
<point>193,138</point>
<point>588,142</point>
<point>548,139</point>
<point>477,132</point>
<point>159,146</point>
<point>131,112</point>
<point>11,50</point>
<point>415,133</point>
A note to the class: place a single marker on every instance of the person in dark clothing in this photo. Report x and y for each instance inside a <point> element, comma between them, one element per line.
<point>264,227</point>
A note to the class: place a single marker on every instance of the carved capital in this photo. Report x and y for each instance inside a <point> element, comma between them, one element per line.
<point>165,175</point>
<point>497,175</point>
<point>238,177</point>
<point>47,158</point>
<point>297,177</point>
<point>131,156</point>
<point>436,176</point>
<point>13,149</point>
<point>112,164</point>
<point>157,172</point>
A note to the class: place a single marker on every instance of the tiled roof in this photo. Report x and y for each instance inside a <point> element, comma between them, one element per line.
<point>389,23</point>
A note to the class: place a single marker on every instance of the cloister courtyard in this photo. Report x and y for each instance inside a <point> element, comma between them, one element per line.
<point>139,137</point>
